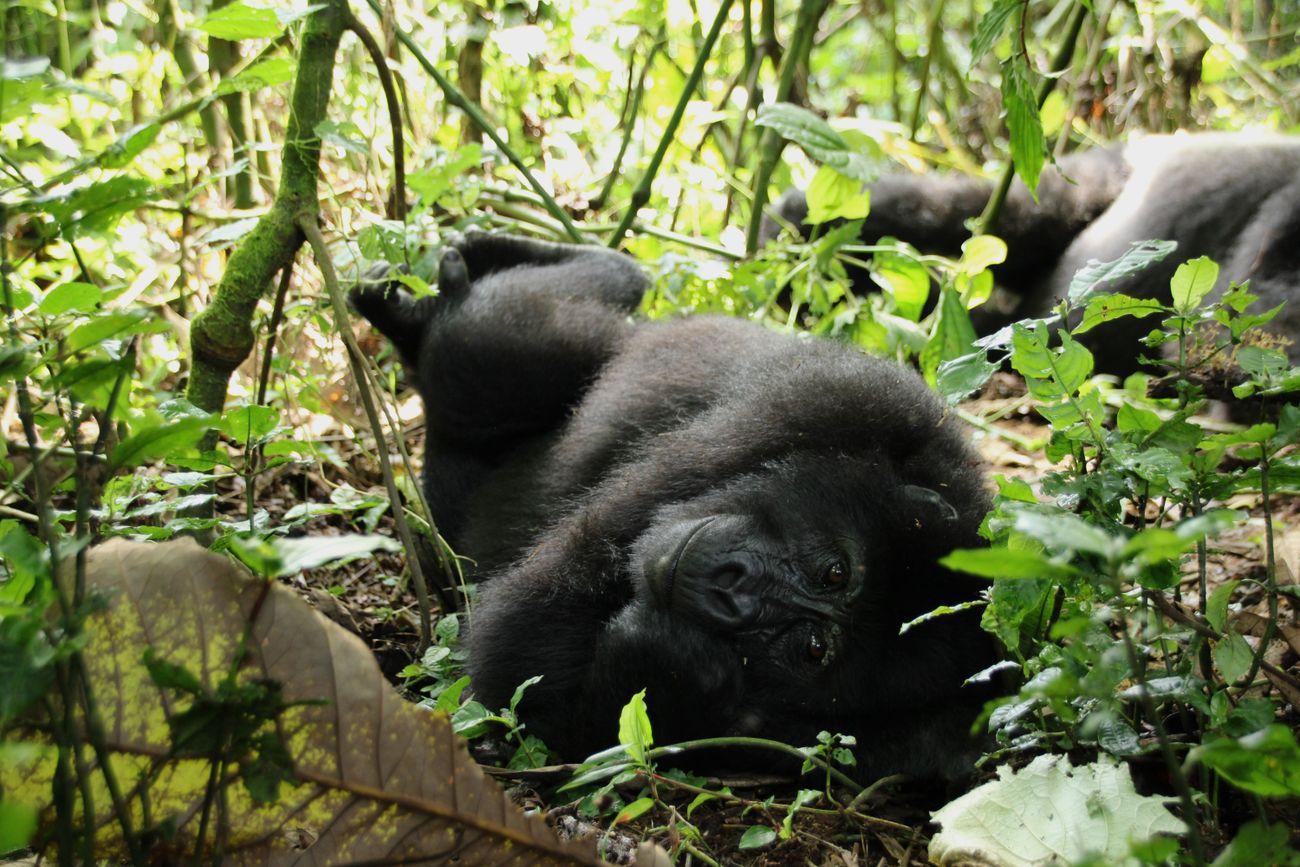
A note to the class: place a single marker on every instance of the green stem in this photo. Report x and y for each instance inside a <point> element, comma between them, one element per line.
<point>1059,64</point>
<point>458,99</point>
<point>641,195</point>
<point>810,13</point>
<point>753,743</point>
<point>934,34</point>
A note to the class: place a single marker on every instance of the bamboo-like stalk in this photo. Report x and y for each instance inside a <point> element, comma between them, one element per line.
<point>810,13</point>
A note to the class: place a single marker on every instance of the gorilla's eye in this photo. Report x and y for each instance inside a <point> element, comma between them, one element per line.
<point>816,646</point>
<point>837,574</point>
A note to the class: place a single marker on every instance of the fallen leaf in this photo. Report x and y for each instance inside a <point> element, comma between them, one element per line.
<point>1049,812</point>
<point>378,779</point>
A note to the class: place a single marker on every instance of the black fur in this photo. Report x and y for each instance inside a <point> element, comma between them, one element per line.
<point>667,505</point>
<point>1233,197</point>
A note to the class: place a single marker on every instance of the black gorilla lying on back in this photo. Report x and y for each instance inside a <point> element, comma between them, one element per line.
<point>734,519</point>
<point>1234,197</point>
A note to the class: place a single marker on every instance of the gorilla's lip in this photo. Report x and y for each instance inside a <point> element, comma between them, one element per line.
<point>663,573</point>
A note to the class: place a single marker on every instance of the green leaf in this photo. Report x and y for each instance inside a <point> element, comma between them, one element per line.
<point>833,195</point>
<point>267,73</point>
<point>1261,362</point>
<point>311,552</point>
<point>159,440</point>
<point>1062,530</point>
<point>77,297</point>
<point>104,327</point>
<point>633,810</point>
<point>449,699</point>
<point>238,21</point>
<point>249,423</point>
<point>1028,145</point>
<point>1104,308</point>
<point>17,825</point>
<point>1001,563</point>
<point>1139,256</point>
<point>1216,609</point>
<point>981,252</point>
<point>990,28</point>
<point>756,837</point>
<point>904,280</point>
<point>1232,656</point>
<point>817,138</point>
<point>953,334</point>
<point>634,730</point>
<point>960,376</point>
<point>1266,762</point>
<point>1193,281</point>
<point>1257,844</point>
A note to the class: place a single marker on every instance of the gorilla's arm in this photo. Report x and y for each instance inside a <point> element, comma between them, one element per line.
<point>930,211</point>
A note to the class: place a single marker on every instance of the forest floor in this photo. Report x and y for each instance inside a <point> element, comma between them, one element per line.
<point>369,598</point>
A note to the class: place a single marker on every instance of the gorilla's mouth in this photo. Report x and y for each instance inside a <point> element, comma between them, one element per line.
<point>661,570</point>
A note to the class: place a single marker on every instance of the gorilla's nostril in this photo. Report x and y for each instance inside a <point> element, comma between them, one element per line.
<point>733,609</point>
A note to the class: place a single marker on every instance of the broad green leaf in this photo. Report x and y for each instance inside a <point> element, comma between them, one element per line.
<point>129,146</point>
<point>70,297</point>
<point>1001,563</point>
<point>238,21</point>
<point>904,280</point>
<point>1050,812</point>
<point>1266,762</point>
<point>267,73</point>
<point>160,440</point>
<point>249,423</point>
<point>1063,530</point>
<point>981,252</point>
<point>1104,308</point>
<point>1139,256</point>
<point>1192,282</point>
<point>960,376</point>
<point>1028,145</point>
<point>634,730</point>
<point>1261,362</point>
<point>756,837</point>
<point>818,139</point>
<point>1257,844</point>
<point>1232,656</point>
<point>104,327</point>
<point>1216,609</point>
<point>834,196</point>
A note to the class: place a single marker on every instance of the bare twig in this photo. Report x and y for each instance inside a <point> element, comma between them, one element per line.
<point>397,196</point>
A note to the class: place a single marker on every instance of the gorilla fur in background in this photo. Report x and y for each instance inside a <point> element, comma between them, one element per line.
<point>736,520</point>
<point>1234,197</point>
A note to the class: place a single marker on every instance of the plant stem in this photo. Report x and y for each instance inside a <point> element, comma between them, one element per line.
<point>1059,63</point>
<point>629,123</point>
<point>934,34</point>
<point>641,195</point>
<point>758,743</point>
<point>356,360</point>
<point>810,13</point>
<point>1270,562</point>
<point>397,196</point>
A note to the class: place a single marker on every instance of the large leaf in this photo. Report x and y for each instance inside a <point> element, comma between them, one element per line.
<point>1028,145</point>
<point>817,138</point>
<point>1048,813</point>
<point>1091,276</point>
<point>375,778</point>
<point>1266,762</point>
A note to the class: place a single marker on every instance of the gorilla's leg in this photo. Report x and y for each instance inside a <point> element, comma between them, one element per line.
<point>518,331</point>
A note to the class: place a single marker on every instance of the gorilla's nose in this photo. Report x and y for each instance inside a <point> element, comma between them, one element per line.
<point>729,602</point>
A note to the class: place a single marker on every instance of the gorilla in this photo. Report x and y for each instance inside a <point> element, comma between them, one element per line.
<point>736,520</point>
<point>1234,197</point>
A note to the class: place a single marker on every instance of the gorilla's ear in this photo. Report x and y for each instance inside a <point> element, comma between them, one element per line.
<point>453,276</point>
<point>923,508</point>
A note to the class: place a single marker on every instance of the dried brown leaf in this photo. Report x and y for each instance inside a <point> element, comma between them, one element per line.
<point>380,780</point>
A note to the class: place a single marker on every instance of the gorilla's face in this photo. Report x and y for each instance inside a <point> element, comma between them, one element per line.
<point>790,586</point>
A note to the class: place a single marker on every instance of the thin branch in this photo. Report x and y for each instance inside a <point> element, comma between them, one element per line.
<point>397,197</point>
<point>356,360</point>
